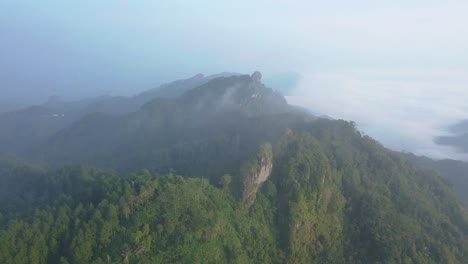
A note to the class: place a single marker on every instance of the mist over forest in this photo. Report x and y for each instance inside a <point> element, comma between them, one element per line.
<point>243,132</point>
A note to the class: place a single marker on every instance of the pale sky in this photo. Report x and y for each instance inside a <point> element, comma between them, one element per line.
<point>387,65</point>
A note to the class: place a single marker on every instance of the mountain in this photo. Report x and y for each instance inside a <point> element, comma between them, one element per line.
<point>459,139</point>
<point>454,171</point>
<point>226,172</point>
<point>24,130</point>
<point>166,133</point>
<point>8,106</point>
<point>124,105</point>
<point>331,196</point>
<point>174,89</point>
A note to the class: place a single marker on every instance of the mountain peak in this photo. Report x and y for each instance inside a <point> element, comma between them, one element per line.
<point>257,76</point>
<point>198,76</point>
<point>242,92</point>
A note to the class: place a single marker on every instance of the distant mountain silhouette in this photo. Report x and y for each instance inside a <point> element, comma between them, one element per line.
<point>217,170</point>
<point>31,126</point>
<point>459,139</point>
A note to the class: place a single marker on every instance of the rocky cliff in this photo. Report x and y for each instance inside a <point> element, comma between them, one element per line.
<point>255,173</point>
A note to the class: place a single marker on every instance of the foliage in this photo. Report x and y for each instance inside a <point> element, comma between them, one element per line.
<point>333,197</point>
<point>262,183</point>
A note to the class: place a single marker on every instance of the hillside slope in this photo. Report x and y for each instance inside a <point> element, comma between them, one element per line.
<point>237,111</point>
<point>454,171</point>
<point>23,131</point>
<point>332,196</point>
<point>260,182</point>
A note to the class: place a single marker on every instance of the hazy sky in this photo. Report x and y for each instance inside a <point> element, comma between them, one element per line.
<point>402,64</point>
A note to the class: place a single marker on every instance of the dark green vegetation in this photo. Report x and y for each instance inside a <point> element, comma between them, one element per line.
<point>226,119</point>
<point>454,171</point>
<point>261,183</point>
<point>26,131</point>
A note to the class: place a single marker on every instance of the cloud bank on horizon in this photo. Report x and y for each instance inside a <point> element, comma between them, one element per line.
<point>403,109</point>
<point>398,68</point>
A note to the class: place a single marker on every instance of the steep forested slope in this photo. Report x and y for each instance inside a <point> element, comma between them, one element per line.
<point>24,131</point>
<point>454,171</point>
<point>225,118</point>
<point>333,196</point>
<point>260,183</point>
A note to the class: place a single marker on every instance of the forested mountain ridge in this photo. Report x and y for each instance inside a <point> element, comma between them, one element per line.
<point>227,111</point>
<point>260,182</point>
<point>24,130</point>
<point>333,197</point>
<point>454,171</point>
<point>21,130</point>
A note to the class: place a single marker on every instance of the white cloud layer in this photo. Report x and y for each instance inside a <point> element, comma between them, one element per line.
<point>399,68</point>
<point>404,108</point>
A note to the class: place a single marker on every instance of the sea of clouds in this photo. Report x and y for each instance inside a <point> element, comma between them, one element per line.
<point>404,108</point>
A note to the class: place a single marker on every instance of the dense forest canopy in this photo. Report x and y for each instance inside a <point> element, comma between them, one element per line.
<point>224,172</point>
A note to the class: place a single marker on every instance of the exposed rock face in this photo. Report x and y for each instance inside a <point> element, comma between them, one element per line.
<point>257,76</point>
<point>256,173</point>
